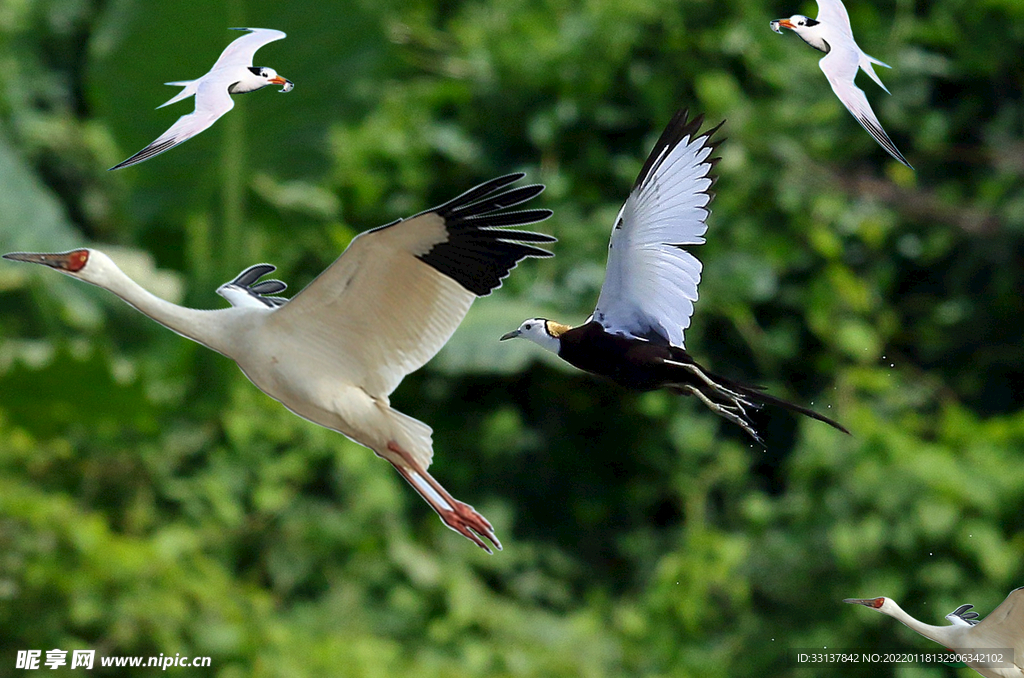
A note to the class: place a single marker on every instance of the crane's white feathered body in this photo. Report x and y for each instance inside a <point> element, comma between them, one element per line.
<point>233,73</point>
<point>1002,629</point>
<point>831,33</point>
<point>335,352</point>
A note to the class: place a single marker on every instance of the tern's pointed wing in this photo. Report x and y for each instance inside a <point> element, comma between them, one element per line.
<point>832,13</point>
<point>212,101</point>
<point>395,296</point>
<point>840,67</point>
<point>651,282</point>
<point>241,51</point>
<point>1004,626</point>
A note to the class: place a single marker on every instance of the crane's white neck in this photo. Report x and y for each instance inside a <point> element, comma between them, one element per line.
<point>213,329</point>
<point>946,635</point>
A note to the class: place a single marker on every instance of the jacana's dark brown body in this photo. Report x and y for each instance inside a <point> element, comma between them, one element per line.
<point>649,365</point>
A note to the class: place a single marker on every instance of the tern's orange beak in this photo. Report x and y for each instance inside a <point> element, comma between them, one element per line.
<point>785,23</point>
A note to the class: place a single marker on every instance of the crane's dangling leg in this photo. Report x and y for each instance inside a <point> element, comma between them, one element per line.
<point>457,515</point>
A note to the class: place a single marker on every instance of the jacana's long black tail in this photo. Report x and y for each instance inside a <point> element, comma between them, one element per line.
<point>733,400</point>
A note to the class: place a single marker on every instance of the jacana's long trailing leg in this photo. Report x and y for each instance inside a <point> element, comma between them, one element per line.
<point>457,515</point>
<point>695,369</point>
<point>727,412</point>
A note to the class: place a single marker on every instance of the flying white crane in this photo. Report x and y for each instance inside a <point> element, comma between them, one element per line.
<point>635,335</point>
<point>1002,629</point>
<point>233,73</point>
<point>334,352</point>
<point>831,34</point>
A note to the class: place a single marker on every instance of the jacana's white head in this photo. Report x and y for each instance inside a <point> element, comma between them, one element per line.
<point>85,264</point>
<point>807,28</point>
<point>545,333</point>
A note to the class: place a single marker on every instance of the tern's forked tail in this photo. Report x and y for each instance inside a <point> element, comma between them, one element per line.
<point>191,86</point>
<point>866,65</point>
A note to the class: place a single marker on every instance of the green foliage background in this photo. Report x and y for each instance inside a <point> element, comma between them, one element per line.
<point>153,501</point>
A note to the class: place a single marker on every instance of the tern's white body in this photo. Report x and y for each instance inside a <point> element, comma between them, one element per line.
<point>233,73</point>
<point>335,352</point>
<point>1002,629</point>
<point>831,33</point>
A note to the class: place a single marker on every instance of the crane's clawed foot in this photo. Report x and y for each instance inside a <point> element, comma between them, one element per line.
<point>457,515</point>
<point>465,520</point>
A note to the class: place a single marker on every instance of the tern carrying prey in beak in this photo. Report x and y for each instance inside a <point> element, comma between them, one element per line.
<point>232,74</point>
<point>831,34</point>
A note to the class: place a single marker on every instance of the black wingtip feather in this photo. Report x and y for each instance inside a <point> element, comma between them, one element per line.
<point>145,154</point>
<point>883,139</point>
<point>252,274</point>
<point>262,291</point>
<point>678,129</point>
<point>479,252</point>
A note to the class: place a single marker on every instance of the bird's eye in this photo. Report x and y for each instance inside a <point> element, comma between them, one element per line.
<point>528,327</point>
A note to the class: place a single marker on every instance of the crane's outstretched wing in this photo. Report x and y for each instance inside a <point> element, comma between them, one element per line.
<point>245,291</point>
<point>1004,626</point>
<point>241,51</point>
<point>840,67</point>
<point>833,13</point>
<point>212,101</point>
<point>395,296</point>
<point>962,617</point>
<point>651,281</point>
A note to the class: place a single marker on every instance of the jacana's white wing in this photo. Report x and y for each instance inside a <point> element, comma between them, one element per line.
<point>394,297</point>
<point>241,51</point>
<point>1004,626</point>
<point>840,67</point>
<point>212,101</point>
<point>832,13</point>
<point>651,281</point>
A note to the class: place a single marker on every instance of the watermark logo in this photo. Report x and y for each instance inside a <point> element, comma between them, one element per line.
<point>85,659</point>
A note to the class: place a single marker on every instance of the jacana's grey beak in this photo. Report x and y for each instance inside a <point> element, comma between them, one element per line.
<point>62,261</point>
<point>510,335</point>
<point>286,84</point>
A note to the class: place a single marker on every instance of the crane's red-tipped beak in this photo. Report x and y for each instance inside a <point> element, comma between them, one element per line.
<point>286,84</point>
<point>71,262</point>
<point>869,602</point>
